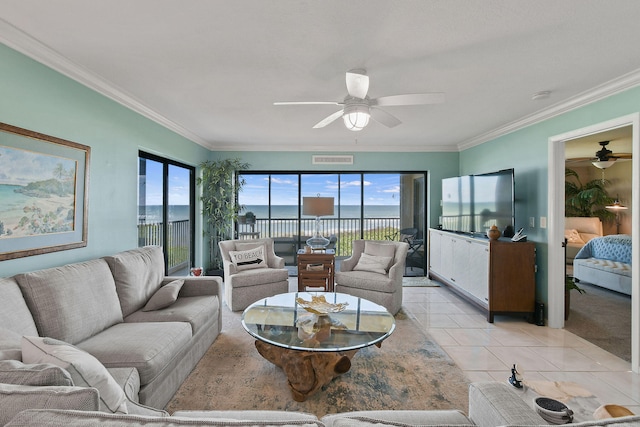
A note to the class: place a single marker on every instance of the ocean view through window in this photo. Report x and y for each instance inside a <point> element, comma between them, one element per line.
<point>166,191</point>
<point>372,206</point>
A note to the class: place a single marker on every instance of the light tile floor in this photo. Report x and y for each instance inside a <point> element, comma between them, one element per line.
<point>486,351</point>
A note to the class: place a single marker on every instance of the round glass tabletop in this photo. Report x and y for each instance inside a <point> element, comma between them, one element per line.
<point>350,323</point>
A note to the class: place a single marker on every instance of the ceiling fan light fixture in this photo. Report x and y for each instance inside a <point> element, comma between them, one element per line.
<point>603,164</point>
<point>356,117</point>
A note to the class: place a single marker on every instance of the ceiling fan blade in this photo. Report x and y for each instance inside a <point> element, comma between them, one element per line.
<point>357,83</point>
<point>308,103</point>
<point>410,99</point>
<point>383,117</point>
<point>621,155</point>
<point>322,123</point>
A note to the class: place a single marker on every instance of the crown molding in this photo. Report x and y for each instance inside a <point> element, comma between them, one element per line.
<point>32,48</point>
<point>590,96</point>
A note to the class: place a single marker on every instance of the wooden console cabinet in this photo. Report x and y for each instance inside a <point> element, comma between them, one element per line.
<point>323,276</point>
<point>498,276</point>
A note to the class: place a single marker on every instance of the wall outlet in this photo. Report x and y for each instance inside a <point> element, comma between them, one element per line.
<point>532,222</point>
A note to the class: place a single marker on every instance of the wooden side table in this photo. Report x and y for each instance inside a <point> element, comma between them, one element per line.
<point>321,273</point>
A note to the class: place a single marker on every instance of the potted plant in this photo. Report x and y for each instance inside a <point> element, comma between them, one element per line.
<point>586,200</point>
<point>569,285</point>
<point>220,186</point>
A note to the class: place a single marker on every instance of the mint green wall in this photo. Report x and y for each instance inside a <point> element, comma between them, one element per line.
<point>34,97</point>
<point>526,151</point>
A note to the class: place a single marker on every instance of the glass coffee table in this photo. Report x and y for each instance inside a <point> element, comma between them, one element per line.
<point>313,345</point>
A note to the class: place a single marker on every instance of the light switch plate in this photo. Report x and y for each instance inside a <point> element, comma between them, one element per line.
<point>543,222</point>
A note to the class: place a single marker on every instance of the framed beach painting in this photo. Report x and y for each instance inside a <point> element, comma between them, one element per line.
<point>44,183</point>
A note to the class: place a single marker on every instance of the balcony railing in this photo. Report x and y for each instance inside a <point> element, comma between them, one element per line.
<point>178,241</point>
<point>345,229</point>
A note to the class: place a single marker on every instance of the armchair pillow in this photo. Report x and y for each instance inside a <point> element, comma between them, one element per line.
<point>374,263</point>
<point>381,249</point>
<point>165,296</point>
<point>249,259</point>
<point>85,370</point>
<point>573,236</point>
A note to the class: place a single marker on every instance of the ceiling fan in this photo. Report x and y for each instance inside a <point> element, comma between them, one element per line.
<point>357,107</point>
<point>604,157</point>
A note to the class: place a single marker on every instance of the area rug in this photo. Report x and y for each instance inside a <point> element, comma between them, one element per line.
<point>409,371</point>
<point>603,318</point>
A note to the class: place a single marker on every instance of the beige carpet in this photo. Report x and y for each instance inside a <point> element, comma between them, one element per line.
<point>602,317</point>
<point>409,371</point>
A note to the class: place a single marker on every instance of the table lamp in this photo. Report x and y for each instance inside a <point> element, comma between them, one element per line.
<point>617,207</point>
<point>317,206</point>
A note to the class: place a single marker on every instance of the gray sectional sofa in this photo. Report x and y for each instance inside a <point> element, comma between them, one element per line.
<point>490,404</point>
<point>103,307</point>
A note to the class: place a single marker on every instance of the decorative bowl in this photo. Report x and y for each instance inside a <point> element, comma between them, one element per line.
<point>553,411</point>
<point>611,411</point>
<point>320,306</point>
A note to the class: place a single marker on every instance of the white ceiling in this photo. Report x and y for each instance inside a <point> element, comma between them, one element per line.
<point>211,69</point>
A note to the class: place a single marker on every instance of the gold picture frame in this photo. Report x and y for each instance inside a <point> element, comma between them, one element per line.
<point>44,186</point>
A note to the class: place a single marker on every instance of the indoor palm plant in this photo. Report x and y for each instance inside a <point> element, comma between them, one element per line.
<point>588,199</point>
<point>220,183</point>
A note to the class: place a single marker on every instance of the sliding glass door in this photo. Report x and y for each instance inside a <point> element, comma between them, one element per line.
<point>166,210</point>
<point>376,206</point>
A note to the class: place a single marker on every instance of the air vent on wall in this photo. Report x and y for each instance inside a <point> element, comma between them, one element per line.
<point>332,160</point>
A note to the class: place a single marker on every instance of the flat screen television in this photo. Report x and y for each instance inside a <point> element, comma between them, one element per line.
<point>473,203</point>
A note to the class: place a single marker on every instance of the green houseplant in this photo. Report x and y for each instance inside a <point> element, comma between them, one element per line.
<point>220,185</point>
<point>588,199</point>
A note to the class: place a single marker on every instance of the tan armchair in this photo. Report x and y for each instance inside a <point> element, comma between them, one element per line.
<point>374,272</point>
<point>251,273</point>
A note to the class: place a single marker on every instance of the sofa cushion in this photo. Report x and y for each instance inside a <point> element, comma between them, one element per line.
<point>14,399</point>
<point>14,313</point>
<point>129,380</point>
<point>72,302</point>
<point>397,418</point>
<point>373,263</point>
<point>365,280</point>
<point>59,418</point>
<point>198,311</point>
<point>250,415</point>
<point>249,259</point>
<point>16,372</point>
<point>165,296</point>
<point>85,369</point>
<point>258,277</point>
<point>148,347</point>
<point>138,274</point>
<point>10,344</point>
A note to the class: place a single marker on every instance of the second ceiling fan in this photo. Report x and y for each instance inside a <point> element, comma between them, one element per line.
<point>358,107</point>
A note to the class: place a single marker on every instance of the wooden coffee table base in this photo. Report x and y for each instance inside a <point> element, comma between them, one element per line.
<point>307,371</point>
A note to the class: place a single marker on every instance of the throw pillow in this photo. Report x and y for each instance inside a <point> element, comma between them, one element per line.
<point>373,263</point>
<point>35,374</point>
<point>381,249</point>
<point>572,236</point>
<point>246,260</point>
<point>85,370</point>
<point>165,296</point>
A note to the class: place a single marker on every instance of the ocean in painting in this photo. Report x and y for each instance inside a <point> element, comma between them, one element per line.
<point>24,215</point>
